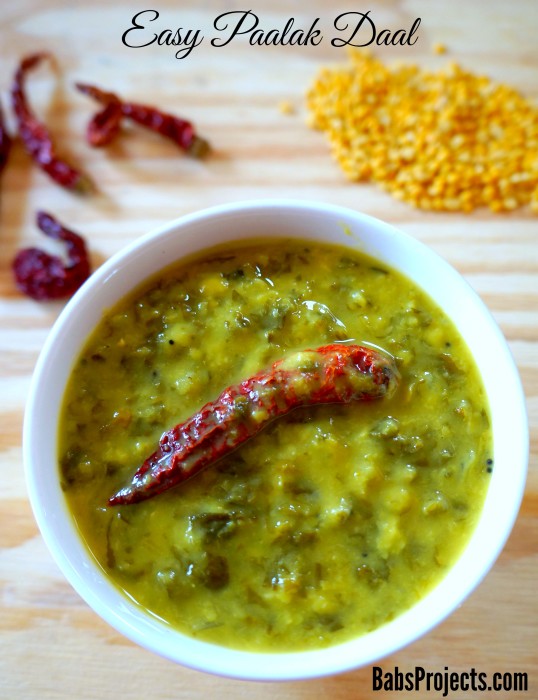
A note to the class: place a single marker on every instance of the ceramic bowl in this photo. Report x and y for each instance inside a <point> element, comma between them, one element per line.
<point>189,234</point>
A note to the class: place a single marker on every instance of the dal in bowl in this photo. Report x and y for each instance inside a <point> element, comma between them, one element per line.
<point>337,534</point>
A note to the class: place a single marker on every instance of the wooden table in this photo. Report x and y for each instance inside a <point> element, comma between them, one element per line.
<point>51,643</point>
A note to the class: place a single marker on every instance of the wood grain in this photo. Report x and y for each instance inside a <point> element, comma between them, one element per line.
<point>50,642</point>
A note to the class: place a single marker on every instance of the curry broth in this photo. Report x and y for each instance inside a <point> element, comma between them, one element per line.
<point>333,520</point>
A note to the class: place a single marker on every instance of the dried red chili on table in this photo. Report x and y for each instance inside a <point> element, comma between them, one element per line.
<point>104,125</point>
<point>35,135</point>
<point>5,141</point>
<point>178,130</point>
<point>43,276</point>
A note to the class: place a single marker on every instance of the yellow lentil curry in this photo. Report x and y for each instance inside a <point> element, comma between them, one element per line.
<point>331,521</point>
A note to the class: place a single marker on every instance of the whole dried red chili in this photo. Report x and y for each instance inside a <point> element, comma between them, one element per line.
<point>180,131</point>
<point>330,374</point>
<point>5,141</point>
<point>43,276</point>
<point>104,126</point>
<point>36,136</point>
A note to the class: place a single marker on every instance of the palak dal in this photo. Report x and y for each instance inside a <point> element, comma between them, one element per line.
<point>331,521</point>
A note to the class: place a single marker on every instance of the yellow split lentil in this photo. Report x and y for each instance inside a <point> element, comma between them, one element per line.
<point>286,107</point>
<point>449,140</point>
<point>439,48</point>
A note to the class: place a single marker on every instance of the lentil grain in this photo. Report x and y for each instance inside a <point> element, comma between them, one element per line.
<point>446,141</point>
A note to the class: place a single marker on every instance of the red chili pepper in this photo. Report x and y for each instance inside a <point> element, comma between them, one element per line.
<point>5,141</point>
<point>181,131</point>
<point>43,276</point>
<point>104,126</point>
<point>36,136</point>
<point>330,374</point>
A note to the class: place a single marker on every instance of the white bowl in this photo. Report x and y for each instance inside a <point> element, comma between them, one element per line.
<point>270,218</point>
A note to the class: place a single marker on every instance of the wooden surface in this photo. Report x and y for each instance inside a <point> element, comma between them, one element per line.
<point>51,643</point>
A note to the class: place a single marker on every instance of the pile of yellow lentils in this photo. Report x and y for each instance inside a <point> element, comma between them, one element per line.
<point>447,140</point>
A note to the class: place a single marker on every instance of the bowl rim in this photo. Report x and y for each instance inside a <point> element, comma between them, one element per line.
<point>155,635</point>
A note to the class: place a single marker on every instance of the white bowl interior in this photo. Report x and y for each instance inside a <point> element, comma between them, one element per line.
<point>275,219</point>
